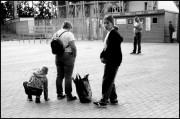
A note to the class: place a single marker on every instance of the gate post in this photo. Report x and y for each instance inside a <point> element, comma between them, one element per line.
<point>18,31</point>
<point>178,30</point>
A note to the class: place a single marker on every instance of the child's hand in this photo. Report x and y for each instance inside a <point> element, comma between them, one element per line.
<point>103,60</point>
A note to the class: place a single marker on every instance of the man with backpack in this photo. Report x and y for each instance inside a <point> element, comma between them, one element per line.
<point>65,61</point>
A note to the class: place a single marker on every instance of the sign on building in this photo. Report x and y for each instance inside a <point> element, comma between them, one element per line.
<point>148,23</point>
<point>120,21</point>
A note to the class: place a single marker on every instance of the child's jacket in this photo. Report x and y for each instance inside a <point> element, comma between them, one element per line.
<point>39,80</point>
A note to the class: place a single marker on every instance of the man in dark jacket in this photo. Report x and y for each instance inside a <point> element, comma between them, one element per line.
<point>171,30</point>
<point>111,56</point>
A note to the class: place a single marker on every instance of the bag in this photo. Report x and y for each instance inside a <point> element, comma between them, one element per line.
<point>83,88</point>
<point>57,46</point>
<point>174,36</point>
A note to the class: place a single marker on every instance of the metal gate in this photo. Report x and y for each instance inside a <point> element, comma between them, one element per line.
<point>83,28</point>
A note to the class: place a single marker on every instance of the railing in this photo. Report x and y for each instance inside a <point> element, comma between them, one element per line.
<point>83,29</point>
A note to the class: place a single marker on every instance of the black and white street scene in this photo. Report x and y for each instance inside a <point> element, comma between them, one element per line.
<point>89,59</point>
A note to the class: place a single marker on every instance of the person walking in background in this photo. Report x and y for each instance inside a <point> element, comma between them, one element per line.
<point>65,63</point>
<point>137,35</point>
<point>111,56</point>
<point>171,30</point>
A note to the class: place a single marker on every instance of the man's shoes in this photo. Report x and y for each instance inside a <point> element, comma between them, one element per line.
<point>61,96</point>
<point>132,53</point>
<point>71,98</point>
<point>138,53</point>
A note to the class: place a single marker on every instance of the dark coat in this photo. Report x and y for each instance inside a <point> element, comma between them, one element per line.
<point>171,28</point>
<point>112,53</point>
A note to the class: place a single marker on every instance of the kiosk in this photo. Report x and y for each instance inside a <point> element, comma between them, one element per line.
<point>155,25</point>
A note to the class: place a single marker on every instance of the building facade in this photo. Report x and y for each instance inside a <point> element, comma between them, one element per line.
<point>87,19</point>
<point>155,20</point>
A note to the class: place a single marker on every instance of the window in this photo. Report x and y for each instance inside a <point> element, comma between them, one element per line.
<point>145,5</point>
<point>117,9</point>
<point>114,10</point>
<point>130,21</point>
<point>154,20</point>
<point>109,10</point>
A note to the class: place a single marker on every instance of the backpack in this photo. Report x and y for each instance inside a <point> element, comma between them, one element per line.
<point>57,46</point>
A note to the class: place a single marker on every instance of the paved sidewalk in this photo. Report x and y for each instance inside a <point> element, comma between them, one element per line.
<point>147,84</point>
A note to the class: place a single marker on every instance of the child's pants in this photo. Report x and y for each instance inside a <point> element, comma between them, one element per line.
<point>32,91</point>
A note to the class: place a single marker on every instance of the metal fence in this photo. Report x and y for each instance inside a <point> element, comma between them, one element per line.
<point>83,28</point>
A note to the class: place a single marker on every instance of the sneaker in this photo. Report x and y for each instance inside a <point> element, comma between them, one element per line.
<point>114,101</point>
<point>132,53</point>
<point>71,98</point>
<point>100,104</point>
<point>37,100</point>
<point>61,96</point>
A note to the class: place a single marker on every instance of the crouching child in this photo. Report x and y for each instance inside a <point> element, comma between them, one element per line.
<point>37,84</point>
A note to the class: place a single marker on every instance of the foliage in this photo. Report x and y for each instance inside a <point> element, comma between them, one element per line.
<point>24,10</point>
<point>39,10</point>
<point>3,13</point>
<point>6,11</point>
<point>44,10</point>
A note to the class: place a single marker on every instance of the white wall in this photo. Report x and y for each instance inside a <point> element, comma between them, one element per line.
<point>136,6</point>
<point>25,19</point>
<point>139,5</point>
<point>30,23</point>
